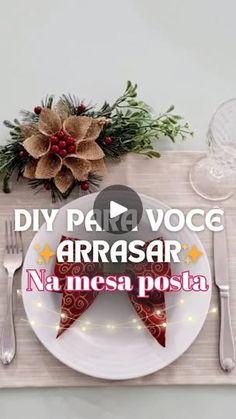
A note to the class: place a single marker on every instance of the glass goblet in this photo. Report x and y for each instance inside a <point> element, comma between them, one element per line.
<point>213,176</point>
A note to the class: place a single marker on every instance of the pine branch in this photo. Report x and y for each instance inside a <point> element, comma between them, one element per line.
<point>29,117</point>
<point>47,102</point>
<point>10,162</point>
<point>72,102</point>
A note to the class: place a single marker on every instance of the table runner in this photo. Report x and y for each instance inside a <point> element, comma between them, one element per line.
<point>167,179</point>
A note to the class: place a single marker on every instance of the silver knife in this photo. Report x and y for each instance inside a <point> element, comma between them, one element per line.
<point>226,345</point>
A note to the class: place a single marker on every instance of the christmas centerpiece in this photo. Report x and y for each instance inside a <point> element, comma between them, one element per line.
<point>62,145</point>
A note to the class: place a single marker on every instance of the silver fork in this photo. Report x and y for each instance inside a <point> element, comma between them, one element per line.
<point>13,258</point>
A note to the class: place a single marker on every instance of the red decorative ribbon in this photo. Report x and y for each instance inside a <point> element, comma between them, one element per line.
<point>152,310</point>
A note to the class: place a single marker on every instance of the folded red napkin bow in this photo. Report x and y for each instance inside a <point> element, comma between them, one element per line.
<point>152,310</point>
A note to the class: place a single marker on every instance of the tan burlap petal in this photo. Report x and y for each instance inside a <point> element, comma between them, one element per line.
<point>79,167</point>
<point>48,166</point>
<point>37,145</point>
<point>27,130</point>
<point>30,168</point>
<point>62,110</point>
<point>95,129</point>
<point>89,150</point>
<point>49,122</point>
<point>98,167</point>
<point>64,179</point>
<point>77,126</point>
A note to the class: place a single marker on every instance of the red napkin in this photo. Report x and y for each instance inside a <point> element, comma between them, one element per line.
<point>75,303</point>
<point>150,310</point>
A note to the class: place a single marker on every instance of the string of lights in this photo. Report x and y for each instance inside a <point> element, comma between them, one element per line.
<point>87,325</point>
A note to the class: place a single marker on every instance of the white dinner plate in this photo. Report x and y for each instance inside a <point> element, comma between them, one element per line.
<point>107,342</point>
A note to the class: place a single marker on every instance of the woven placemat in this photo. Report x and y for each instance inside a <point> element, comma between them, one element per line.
<point>167,180</point>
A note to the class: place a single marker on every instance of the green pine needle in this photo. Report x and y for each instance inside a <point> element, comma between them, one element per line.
<point>47,102</point>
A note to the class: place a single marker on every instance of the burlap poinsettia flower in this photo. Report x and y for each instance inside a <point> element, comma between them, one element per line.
<point>63,147</point>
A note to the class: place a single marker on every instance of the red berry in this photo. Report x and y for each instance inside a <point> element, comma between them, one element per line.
<point>60,134</point>
<point>54,139</point>
<point>22,154</point>
<point>63,153</point>
<point>54,148</point>
<point>47,186</point>
<point>70,140</point>
<point>37,110</point>
<point>71,149</point>
<point>84,185</point>
<point>107,140</point>
<point>81,108</point>
<point>62,144</point>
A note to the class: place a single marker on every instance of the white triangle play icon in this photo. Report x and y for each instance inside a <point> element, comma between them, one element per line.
<point>116,209</point>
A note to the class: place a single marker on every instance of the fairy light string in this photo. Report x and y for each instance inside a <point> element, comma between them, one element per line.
<point>87,325</point>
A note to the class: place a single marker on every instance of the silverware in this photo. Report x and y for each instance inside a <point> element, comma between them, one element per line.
<point>13,258</point>
<point>226,345</point>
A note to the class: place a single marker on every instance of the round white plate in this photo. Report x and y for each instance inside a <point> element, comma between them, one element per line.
<point>107,342</point>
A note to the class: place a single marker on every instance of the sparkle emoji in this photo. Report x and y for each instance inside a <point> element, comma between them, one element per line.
<point>194,253</point>
<point>47,253</point>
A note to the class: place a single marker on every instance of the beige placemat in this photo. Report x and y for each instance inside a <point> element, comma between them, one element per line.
<point>167,180</point>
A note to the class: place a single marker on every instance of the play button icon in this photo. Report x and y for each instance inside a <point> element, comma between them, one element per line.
<point>118,209</point>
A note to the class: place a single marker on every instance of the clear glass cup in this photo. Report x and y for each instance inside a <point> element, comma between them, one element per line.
<point>213,176</point>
